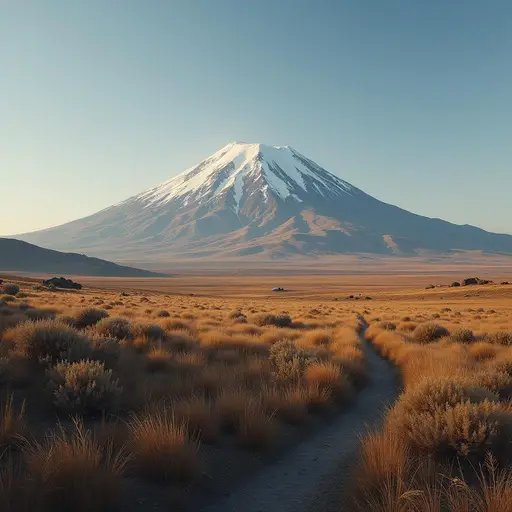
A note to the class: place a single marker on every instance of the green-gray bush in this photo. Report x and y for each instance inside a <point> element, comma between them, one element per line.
<point>289,361</point>
<point>84,387</point>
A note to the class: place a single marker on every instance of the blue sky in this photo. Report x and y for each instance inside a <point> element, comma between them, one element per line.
<point>409,100</point>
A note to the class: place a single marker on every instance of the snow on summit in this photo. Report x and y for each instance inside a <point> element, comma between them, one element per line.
<point>241,169</point>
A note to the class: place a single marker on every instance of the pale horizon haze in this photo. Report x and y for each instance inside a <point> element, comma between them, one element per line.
<point>409,101</point>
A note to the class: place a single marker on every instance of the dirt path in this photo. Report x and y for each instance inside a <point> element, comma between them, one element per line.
<point>314,474</point>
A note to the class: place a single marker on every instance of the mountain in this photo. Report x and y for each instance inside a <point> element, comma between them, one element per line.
<point>259,201</point>
<point>16,255</point>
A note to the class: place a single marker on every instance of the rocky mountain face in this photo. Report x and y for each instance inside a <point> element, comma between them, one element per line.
<point>258,201</point>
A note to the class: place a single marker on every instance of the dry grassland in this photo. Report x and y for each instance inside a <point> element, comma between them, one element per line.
<point>110,397</point>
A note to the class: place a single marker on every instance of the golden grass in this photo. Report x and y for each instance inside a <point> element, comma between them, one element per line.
<point>161,447</point>
<point>71,471</point>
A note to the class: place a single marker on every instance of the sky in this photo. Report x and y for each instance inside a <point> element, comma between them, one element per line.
<point>409,100</point>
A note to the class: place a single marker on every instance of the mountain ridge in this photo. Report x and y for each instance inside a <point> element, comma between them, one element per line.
<point>254,199</point>
<point>20,256</point>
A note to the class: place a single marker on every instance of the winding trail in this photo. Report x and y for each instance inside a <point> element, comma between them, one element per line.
<point>307,478</point>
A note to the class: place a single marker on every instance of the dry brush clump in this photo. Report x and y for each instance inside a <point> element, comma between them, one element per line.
<point>162,448</point>
<point>83,387</point>
<point>47,339</point>
<point>70,470</point>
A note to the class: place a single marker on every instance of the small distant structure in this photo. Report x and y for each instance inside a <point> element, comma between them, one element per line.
<point>278,289</point>
<point>62,282</point>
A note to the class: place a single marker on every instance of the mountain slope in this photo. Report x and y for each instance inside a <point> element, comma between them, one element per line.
<point>252,199</point>
<point>16,255</point>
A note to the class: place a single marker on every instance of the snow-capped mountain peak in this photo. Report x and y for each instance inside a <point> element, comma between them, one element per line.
<point>241,169</point>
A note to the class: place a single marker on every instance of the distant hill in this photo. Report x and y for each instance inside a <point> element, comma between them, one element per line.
<point>252,201</point>
<point>22,256</point>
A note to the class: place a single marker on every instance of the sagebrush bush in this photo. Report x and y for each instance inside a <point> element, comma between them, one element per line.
<point>84,387</point>
<point>269,319</point>
<point>433,393</point>
<point>48,340</point>
<point>119,328</point>
<point>462,336</point>
<point>501,338</point>
<point>88,317</point>
<point>465,429</point>
<point>149,331</point>
<point>10,288</point>
<point>289,361</point>
<point>429,332</point>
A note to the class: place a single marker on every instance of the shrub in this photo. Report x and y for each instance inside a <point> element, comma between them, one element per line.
<point>429,332</point>
<point>159,360</point>
<point>464,429</point>
<point>48,340</point>
<point>88,317</point>
<point>268,319</point>
<point>462,336</point>
<point>436,392</point>
<point>150,331</point>
<point>7,298</point>
<point>72,471</point>
<point>84,386</point>
<point>40,314</point>
<point>387,326</point>
<point>163,313</point>
<point>501,338</point>
<point>119,328</point>
<point>180,341</point>
<point>10,288</point>
<point>317,337</point>
<point>289,361</point>
<point>161,448</point>
<point>106,350</point>
<point>236,314</point>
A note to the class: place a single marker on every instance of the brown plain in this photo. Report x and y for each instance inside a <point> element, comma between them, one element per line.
<point>186,322</point>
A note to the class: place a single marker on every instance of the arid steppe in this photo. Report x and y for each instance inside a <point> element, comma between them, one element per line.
<point>195,384</point>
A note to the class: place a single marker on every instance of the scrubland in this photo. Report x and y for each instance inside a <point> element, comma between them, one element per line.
<point>112,398</point>
<point>446,444</point>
